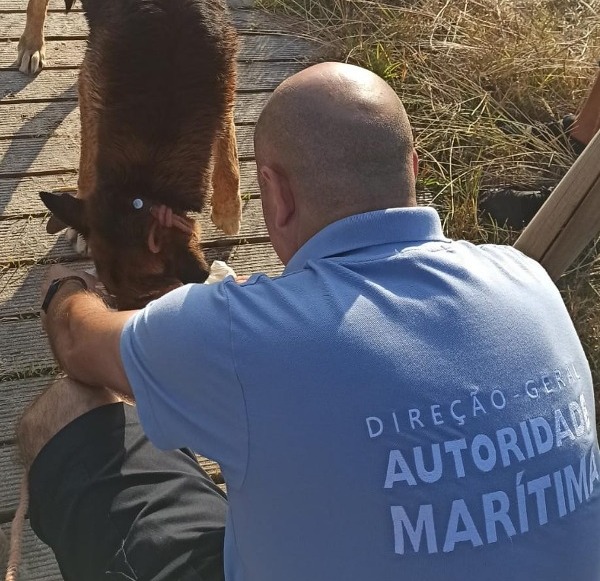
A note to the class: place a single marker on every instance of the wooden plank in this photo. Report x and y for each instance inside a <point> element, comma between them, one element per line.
<point>61,84</point>
<point>19,196</point>
<point>38,562</point>
<point>253,47</point>
<point>20,287</point>
<point>74,25</point>
<point>247,259</point>
<point>26,240</point>
<point>60,153</point>
<point>62,118</point>
<point>25,349</point>
<point>570,217</point>
<point>39,119</point>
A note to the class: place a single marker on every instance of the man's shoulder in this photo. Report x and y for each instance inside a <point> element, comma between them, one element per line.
<point>508,257</point>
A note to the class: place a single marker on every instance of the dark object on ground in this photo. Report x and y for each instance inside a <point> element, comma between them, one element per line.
<point>560,130</point>
<point>511,208</point>
<point>548,132</point>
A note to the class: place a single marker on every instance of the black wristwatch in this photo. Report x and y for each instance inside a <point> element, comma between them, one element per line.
<point>55,285</point>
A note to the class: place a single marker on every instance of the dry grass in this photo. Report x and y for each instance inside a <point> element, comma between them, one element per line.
<point>464,70</point>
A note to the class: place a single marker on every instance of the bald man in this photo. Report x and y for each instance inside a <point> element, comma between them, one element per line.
<point>396,405</point>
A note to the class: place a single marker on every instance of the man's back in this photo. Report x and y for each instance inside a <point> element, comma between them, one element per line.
<point>405,407</point>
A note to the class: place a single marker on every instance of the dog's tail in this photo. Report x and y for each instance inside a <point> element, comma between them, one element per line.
<point>69,4</point>
<point>16,533</point>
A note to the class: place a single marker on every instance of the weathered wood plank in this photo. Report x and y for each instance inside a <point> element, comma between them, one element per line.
<point>24,350</point>
<point>62,118</point>
<point>20,287</point>
<point>38,562</point>
<point>39,119</point>
<point>247,259</point>
<point>74,25</point>
<point>60,153</point>
<point>61,84</point>
<point>19,196</point>
<point>253,47</point>
<point>26,240</point>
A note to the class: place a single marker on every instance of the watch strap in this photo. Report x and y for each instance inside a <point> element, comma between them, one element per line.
<point>55,285</point>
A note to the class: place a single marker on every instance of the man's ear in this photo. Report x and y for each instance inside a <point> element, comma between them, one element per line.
<point>280,193</point>
<point>415,160</point>
<point>67,210</point>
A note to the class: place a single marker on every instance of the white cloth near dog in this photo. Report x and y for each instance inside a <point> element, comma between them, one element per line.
<point>219,270</point>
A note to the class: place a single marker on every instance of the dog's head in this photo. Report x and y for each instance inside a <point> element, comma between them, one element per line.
<point>137,257</point>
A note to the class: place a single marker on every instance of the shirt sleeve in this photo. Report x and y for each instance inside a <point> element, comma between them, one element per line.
<point>177,354</point>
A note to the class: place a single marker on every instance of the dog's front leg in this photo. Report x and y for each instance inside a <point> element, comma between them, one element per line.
<point>32,50</point>
<point>226,201</point>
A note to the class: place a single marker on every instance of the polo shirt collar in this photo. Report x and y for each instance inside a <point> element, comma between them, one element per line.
<point>395,225</point>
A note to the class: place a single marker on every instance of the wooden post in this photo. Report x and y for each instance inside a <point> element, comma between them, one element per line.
<point>570,217</point>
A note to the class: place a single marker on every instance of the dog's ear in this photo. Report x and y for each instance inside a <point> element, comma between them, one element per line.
<point>69,4</point>
<point>67,210</point>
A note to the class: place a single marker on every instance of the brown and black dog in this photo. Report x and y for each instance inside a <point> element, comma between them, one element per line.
<point>156,94</point>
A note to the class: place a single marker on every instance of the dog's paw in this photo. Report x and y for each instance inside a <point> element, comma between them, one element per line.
<point>78,242</point>
<point>32,54</point>
<point>228,217</point>
<point>229,224</point>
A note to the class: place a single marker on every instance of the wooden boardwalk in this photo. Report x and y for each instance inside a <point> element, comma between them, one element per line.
<point>39,150</point>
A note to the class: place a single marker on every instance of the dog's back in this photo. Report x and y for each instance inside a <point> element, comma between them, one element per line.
<point>160,76</point>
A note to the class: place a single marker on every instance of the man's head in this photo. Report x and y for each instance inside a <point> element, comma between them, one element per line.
<point>333,140</point>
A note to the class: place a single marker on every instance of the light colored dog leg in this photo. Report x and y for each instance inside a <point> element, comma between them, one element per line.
<point>32,50</point>
<point>226,200</point>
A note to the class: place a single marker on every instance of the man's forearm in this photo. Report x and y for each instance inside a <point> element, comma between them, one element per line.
<point>66,322</point>
<point>84,336</point>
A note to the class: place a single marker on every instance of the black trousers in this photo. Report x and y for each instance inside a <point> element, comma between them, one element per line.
<point>112,506</point>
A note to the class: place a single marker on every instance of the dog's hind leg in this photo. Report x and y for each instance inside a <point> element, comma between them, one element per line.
<point>32,49</point>
<point>226,201</point>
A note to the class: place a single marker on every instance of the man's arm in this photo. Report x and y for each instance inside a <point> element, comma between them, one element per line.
<point>85,334</point>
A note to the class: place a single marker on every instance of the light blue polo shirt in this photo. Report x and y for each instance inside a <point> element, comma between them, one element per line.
<point>396,406</point>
